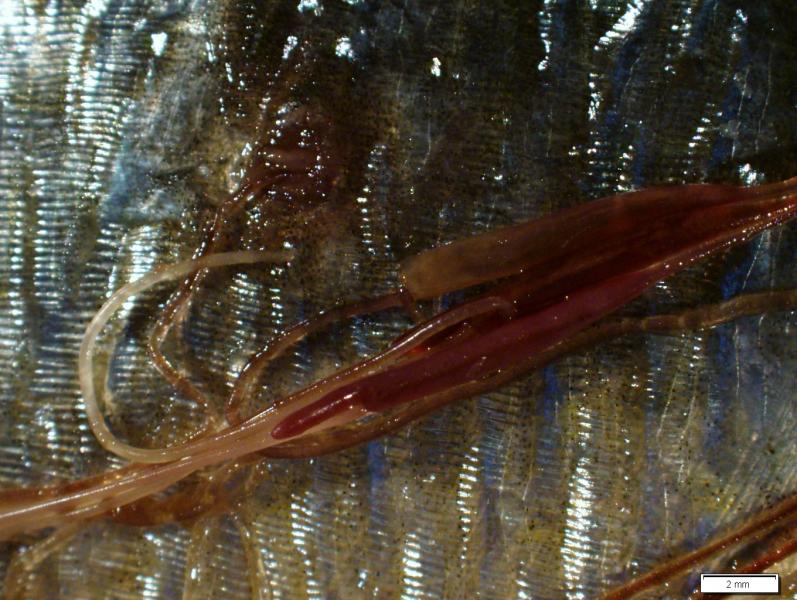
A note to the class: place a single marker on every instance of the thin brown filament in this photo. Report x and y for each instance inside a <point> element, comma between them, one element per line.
<point>86,372</point>
<point>259,583</point>
<point>397,351</point>
<point>248,377</point>
<point>206,496</point>
<point>786,546</point>
<point>23,563</point>
<point>272,165</point>
<point>755,527</point>
<point>176,306</point>
<point>701,318</point>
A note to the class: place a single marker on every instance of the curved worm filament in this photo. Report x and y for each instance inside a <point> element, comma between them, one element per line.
<point>553,284</point>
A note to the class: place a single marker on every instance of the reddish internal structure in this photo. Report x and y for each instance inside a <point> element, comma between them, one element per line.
<point>608,253</point>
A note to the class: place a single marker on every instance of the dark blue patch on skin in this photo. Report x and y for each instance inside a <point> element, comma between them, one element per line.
<point>551,397</point>
<point>377,468</point>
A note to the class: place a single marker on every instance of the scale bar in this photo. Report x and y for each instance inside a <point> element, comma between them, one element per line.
<point>733,583</point>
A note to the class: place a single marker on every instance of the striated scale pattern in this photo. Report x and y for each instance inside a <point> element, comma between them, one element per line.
<point>126,124</point>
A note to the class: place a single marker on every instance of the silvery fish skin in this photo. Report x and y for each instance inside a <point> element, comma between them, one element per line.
<point>124,126</point>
